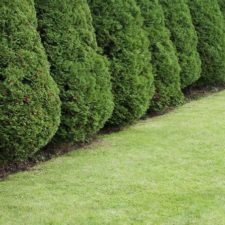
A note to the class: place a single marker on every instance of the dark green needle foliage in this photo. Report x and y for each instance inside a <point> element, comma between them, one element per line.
<point>119,30</point>
<point>208,21</point>
<point>222,6</point>
<point>165,62</point>
<point>29,101</point>
<point>184,37</point>
<point>80,72</point>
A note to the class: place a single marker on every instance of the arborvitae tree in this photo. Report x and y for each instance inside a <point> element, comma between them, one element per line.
<point>29,101</point>
<point>208,21</point>
<point>184,37</point>
<point>79,70</point>
<point>119,32</point>
<point>164,60</point>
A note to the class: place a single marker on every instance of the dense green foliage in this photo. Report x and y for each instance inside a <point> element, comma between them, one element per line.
<point>222,6</point>
<point>29,101</point>
<point>80,72</point>
<point>165,63</point>
<point>119,32</point>
<point>208,21</point>
<point>184,37</point>
<point>148,51</point>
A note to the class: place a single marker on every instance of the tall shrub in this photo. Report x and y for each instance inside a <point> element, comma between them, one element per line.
<point>208,21</point>
<point>79,70</point>
<point>119,32</point>
<point>164,60</point>
<point>184,37</point>
<point>29,101</point>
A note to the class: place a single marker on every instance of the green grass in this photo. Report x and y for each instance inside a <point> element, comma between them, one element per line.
<point>168,170</point>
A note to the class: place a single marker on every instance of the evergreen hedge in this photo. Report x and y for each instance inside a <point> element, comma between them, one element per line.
<point>29,101</point>
<point>208,21</point>
<point>164,60</point>
<point>184,37</point>
<point>79,70</point>
<point>119,31</point>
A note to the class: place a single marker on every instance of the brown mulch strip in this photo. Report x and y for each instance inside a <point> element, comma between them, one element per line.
<point>49,152</point>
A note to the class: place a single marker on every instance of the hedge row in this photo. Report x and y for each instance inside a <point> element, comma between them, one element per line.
<point>81,73</point>
<point>111,61</point>
<point>166,68</point>
<point>119,32</point>
<point>183,34</point>
<point>209,24</point>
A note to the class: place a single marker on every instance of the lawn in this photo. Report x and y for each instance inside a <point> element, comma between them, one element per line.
<point>167,170</point>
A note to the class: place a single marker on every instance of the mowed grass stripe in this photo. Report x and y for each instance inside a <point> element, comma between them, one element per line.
<point>165,170</point>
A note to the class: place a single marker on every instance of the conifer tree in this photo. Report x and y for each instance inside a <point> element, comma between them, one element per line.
<point>29,101</point>
<point>208,21</point>
<point>76,65</point>
<point>119,31</point>
<point>164,60</point>
<point>184,38</point>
